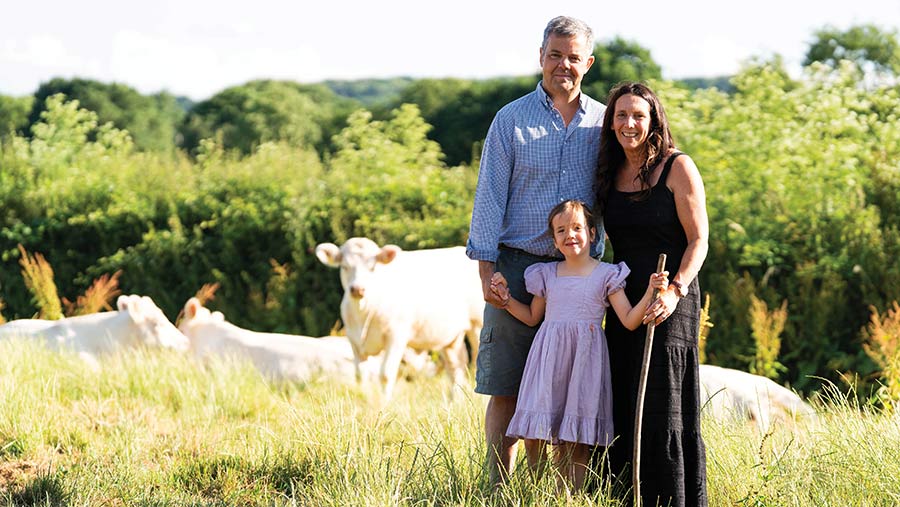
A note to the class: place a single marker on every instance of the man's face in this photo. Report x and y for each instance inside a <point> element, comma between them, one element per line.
<point>564,62</point>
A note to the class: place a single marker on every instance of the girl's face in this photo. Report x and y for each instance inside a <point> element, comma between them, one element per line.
<point>571,234</point>
<point>631,121</point>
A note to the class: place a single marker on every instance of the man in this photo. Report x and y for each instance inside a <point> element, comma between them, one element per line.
<point>541,149</point>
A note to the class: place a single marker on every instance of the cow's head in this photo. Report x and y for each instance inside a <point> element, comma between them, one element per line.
<point>194,313</point>
<point>151,325</point>
<point>358,259</point>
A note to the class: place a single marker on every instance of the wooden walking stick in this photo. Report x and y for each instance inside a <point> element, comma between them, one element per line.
<point>642,390</point>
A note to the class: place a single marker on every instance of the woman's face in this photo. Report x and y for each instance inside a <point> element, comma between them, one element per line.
<point>631,121</point>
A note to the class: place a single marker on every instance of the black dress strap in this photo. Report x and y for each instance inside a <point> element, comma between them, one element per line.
<point>668,167</point>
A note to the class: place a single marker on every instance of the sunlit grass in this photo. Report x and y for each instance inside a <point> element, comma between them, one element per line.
<point>157,428</point>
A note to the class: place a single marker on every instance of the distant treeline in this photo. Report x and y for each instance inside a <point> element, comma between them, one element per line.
<point>802,177</point>
<point>309,115</point>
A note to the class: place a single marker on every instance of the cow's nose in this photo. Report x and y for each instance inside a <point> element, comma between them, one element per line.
<point>357,292</point>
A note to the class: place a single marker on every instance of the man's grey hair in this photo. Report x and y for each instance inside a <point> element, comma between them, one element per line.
<point>568,27</point>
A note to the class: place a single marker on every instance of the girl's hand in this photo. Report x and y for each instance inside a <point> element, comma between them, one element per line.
<point>659,281</point>
<point>500,287</point>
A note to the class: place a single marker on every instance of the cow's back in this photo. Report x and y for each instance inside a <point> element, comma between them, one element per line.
<point>438,291</point>
<point>280,356</point>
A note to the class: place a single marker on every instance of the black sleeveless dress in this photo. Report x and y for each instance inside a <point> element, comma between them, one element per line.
<point>673,456</point>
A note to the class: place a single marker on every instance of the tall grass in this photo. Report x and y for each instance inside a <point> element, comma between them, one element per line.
<point>160,429</point>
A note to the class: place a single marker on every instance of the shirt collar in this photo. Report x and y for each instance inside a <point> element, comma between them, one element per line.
<point>547,100</point>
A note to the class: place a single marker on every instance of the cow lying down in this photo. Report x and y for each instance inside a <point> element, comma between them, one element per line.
<point>275,355</point>
<point>726,393</point>
<point>137,322</point>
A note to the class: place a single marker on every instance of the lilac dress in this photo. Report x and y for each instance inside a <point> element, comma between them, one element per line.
<point>565,393</point>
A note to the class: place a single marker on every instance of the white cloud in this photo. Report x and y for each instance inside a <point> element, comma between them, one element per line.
<point>203,68</point>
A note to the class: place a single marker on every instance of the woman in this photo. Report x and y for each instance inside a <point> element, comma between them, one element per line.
<point>652,201</point>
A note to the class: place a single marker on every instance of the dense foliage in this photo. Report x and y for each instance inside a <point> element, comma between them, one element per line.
<point>803,182</point>
<point>249,223</point>
<point>870,47</point>
<point>616,61</point>
<point>369,92</point>
<point>150,120</point>
<point>14,114</point>
<point>242,117</point>
<point>802,177</point>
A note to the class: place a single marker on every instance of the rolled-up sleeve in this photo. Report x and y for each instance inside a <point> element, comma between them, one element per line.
<point>492,191</point>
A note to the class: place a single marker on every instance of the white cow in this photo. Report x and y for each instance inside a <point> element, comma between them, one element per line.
<point>275,355</point>
<point>138,322</point>
<point>727,393</point>
<point>393,299</point>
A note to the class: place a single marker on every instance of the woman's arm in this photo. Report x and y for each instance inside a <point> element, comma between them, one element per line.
<point>690,203</point>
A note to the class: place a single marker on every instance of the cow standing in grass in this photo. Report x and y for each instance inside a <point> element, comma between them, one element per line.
<point>393,299</point>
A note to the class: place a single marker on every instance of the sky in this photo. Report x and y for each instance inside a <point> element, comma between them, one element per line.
<point>196,48</point>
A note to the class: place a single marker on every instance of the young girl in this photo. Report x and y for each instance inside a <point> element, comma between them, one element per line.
<point>565,394</point>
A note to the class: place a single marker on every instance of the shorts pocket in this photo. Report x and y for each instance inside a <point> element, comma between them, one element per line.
<point>486,335</point>
<point>483,360</point>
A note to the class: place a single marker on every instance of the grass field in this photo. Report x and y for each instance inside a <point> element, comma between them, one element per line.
<point>158,429</point>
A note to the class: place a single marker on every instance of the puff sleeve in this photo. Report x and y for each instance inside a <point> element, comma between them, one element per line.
<point>535,279</point>
<point>616,279</point>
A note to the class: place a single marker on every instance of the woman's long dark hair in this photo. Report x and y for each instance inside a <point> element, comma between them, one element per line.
<point>612,156</point>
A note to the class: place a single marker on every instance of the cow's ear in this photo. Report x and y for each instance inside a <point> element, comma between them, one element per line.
<point>191,308</point>
<point>132,305</point>
<point>329,254</point>
<point>124,303</point>
<point>387,254</point>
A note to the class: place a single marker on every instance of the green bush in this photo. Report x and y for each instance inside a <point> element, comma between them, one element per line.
<point>803,194</point>
<point>250,223</point>
<point>799,175</point>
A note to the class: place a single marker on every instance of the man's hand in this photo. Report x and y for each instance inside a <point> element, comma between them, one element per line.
<point>500,287</point>
<point>491,296</point>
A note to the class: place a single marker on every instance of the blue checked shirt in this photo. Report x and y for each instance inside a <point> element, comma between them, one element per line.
<point>531,161</point>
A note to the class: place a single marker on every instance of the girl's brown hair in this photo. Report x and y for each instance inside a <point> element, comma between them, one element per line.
<point>574,206</point>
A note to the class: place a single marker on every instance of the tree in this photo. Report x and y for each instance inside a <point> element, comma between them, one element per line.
<point>616,61</point>
<point>151,120</point>
<point>242,117</point>
<point>802,186</point>
<point>14,114</point>
<point>871,48</point>
<point>370,92</point>
<point>461,110</point>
